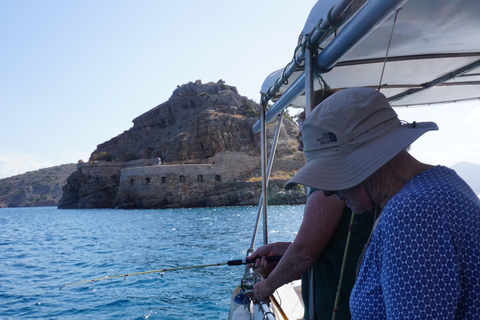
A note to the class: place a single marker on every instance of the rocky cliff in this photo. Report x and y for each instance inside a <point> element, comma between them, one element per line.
<point>196,123</point>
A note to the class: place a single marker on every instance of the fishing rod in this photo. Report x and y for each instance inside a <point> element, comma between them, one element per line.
<point>229,263</point>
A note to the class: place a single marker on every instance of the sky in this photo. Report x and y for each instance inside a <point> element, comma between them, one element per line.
<point>74,74</point>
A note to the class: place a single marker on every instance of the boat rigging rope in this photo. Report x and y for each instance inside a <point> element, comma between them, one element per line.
<point>344,262</point>
<point>388,48</point>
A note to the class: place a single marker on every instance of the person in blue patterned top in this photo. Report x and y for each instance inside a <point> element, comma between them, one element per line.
<point>423,258</point>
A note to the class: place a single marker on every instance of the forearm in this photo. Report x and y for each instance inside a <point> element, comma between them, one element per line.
<point>321,217</point>
<point>292,265</point>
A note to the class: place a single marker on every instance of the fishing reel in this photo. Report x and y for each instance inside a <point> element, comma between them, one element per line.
<point>250,277</point>
<point>248,281</point>
<point>241,306</point>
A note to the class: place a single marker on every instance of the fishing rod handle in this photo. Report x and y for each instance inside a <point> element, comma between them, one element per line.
<point>245,261</point>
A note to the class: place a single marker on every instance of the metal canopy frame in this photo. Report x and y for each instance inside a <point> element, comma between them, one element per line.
<point>439,81</point>
<point>370,16</point>
<point>325,27</point>
<point>434,46</point>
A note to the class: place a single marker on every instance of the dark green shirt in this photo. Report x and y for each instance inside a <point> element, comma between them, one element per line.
<point>327,268</point>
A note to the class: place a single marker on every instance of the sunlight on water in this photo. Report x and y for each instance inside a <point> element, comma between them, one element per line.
<point>46,248</point>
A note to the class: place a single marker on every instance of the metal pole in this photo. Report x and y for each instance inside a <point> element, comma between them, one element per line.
<point>437,81</point>
<point>371,15</point>
<point>309,105</point>
<point>269,170</point>
<point>267,313</point>
<point>263,144</point>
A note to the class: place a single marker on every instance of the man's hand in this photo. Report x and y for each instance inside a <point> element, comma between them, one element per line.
<point>262,266</point>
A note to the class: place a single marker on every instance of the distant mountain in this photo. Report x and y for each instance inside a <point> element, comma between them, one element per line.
<point>37,188</point>
<point>470,173</point>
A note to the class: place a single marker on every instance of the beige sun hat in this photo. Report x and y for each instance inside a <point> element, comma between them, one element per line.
<point>351,135</point>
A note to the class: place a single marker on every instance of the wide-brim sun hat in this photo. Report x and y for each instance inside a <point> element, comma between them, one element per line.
<point>351,135</point>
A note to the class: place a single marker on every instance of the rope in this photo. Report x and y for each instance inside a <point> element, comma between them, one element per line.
<point>323,84</point>
<point>344,262</point>
<point>376,219</point>
<point>388,48</point>
<point>144,272</point>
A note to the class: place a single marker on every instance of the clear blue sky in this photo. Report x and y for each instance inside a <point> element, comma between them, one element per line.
<point>74,74</point>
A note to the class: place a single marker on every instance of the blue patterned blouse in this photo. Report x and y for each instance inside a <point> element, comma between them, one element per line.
<point>423,261</point>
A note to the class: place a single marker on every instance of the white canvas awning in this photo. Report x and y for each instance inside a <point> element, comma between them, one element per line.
<point>434,52</point>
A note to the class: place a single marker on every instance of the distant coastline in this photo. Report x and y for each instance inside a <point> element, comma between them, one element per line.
<point>42,187</point>
<point>39,188</point>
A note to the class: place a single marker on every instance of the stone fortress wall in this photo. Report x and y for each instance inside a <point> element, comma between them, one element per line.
<point>161,185</point>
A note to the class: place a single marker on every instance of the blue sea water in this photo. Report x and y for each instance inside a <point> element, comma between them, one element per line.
<point>42,249</point>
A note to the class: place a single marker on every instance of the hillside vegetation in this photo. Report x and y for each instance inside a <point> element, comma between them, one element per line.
<point>35,188</point>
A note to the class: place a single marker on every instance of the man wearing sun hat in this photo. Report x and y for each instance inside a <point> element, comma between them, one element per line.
<point>317,252</point>
<point>423,260</point>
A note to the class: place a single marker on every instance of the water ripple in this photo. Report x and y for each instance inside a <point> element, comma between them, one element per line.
<point>46,248</point>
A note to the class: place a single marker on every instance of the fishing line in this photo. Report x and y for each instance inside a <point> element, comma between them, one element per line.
<point>230,263</point>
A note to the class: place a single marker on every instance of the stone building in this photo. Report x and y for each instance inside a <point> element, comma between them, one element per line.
<point>187,185</point>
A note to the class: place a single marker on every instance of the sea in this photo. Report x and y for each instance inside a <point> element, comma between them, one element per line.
<point>44,249</point>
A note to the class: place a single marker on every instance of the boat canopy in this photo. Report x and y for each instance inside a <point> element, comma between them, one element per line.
<point>418,52</point>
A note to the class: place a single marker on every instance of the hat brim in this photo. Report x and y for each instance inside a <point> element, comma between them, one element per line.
<point>343,171</point>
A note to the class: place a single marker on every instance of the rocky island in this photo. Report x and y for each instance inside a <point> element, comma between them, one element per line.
<point>196,149</point>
